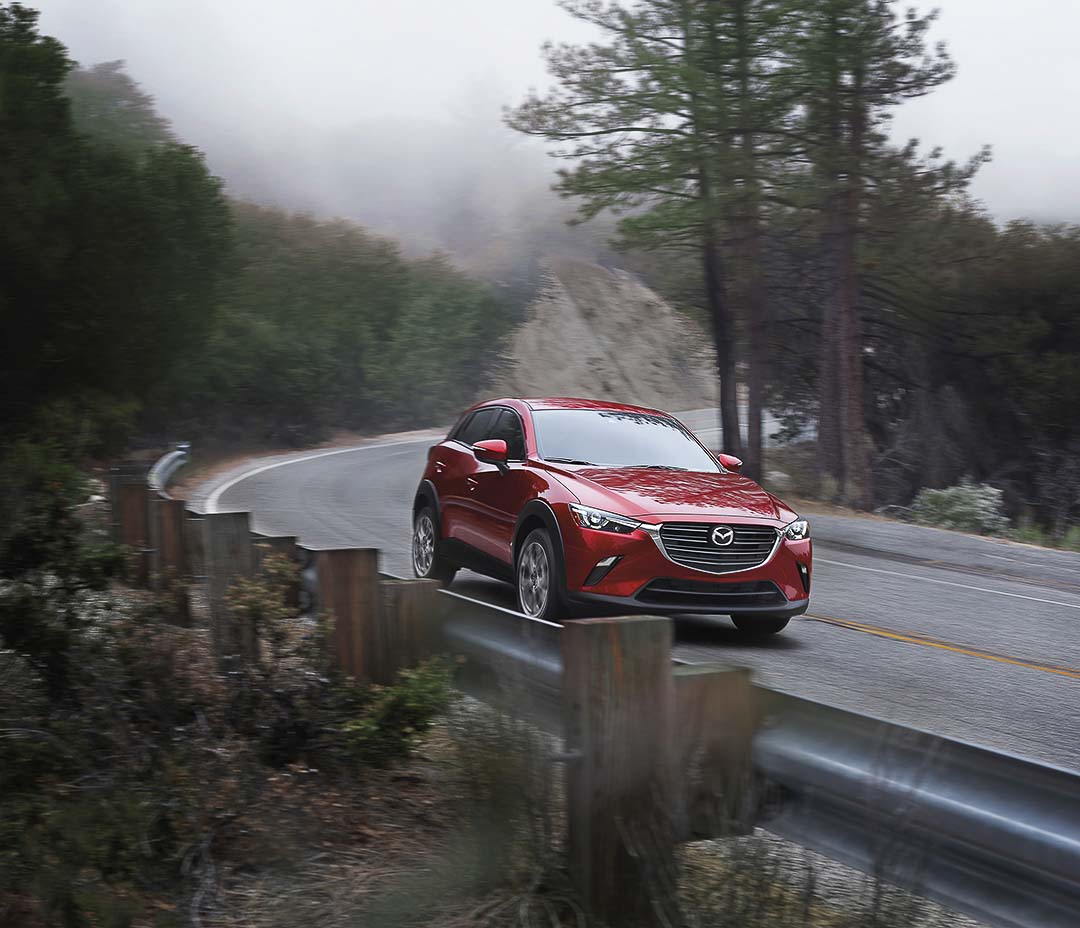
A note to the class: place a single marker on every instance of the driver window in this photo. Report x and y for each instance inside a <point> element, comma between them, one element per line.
<point>479,426</point>
<point>508,428</point>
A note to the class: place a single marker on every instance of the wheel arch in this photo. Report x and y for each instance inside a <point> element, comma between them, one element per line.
<point>427,495</point>
<point>538,514</point>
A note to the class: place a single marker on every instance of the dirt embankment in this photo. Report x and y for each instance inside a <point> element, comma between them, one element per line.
<point>600,333</point>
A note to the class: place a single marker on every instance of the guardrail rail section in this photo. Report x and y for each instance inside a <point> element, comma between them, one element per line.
<point>659,752</point>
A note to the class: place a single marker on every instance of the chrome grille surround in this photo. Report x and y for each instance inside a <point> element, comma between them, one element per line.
<point>687,544</point>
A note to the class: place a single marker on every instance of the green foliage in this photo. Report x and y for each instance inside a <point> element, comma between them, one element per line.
<point>968,507</point>
<point>109,261</point>
<point>134,296</point>
<point>108,105</point>
<point>325,325</point>
<point>672,120</point>
<point>395,717</point>
<point>48,569</point>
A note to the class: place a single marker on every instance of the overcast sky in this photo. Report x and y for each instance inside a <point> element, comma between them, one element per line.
<point>254,81</point>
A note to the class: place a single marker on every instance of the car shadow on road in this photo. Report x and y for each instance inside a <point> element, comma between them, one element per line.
<point>717,630</point>
<point>712,630</point>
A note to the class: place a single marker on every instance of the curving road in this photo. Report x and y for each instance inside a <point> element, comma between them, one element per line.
<point>967,637</point>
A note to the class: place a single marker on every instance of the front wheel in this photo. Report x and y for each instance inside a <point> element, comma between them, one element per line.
<point>427,562</point>
<point>539,584</point>
<point>760,626</point>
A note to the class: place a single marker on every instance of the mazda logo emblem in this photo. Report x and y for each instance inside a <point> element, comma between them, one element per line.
<point>722,535</point>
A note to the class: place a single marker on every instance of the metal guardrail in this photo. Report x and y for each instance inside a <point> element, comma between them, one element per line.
<point>510,648</point>
<point>165,468</point>
<point>983,832</point>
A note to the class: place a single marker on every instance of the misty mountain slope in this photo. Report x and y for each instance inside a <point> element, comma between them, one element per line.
<point>599,333</point>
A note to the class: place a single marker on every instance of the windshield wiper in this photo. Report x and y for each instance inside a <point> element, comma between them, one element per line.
<point>658,466</point>
<point>569,461</point>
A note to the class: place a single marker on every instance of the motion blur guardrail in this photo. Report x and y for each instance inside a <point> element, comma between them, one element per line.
<point>983,832</point>
<point>987,833</point>
<point>165,468</point>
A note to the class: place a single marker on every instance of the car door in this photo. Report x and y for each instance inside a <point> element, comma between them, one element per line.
<point>455,465</point>
<point>498,494</point>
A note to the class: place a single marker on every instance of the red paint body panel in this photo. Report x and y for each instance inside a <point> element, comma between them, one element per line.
<point>480,503</point>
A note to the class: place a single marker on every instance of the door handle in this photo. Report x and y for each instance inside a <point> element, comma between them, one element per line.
<point>472,482</point>
<point>439,467</point>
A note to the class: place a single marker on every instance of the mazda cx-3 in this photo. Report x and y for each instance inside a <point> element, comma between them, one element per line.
<point>580,502</point>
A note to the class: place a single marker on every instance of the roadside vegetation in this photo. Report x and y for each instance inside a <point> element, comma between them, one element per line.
<point>134,769</point>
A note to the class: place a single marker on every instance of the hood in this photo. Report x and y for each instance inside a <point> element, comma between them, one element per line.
<point>663,493</point>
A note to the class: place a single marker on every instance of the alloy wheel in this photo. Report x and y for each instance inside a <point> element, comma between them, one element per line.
<point>423,545</point>
<point>534,579</point>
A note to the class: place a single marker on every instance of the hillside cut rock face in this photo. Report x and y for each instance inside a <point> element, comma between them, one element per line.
<point>599,333</point>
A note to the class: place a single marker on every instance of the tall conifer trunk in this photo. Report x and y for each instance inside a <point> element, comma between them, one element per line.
<point>749,230</point>
<point>857,487</point>
<point>723,337</point>
<point>830,412</point>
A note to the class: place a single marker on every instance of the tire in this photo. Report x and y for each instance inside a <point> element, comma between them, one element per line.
<point>428,563</point>
<point>760,626</point>
<point>538,578</point>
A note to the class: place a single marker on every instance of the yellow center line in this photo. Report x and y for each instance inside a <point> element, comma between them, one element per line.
<point>927,641</point>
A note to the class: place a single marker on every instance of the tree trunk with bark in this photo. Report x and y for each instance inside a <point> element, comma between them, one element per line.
<point>723,340</point>
<point>857,486</point>
<point>755,295</point>
<point>832,472</point>
<point>757,310</point>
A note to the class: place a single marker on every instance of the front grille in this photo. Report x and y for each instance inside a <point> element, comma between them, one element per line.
<point>690,544</point>
<point>722,596</point>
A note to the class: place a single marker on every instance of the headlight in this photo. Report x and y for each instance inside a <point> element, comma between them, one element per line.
<point>797,530</point>
<point>601,521</point>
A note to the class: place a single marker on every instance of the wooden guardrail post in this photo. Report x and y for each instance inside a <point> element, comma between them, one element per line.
<point>132,524</point>
<point>348,580</point>
<point>228,554</point>
<point>403,633</point>
<point>168,551</point>
<point>618,701</point>
<point>717,713</point>
<point>171,548</point>
<point>166,519</point>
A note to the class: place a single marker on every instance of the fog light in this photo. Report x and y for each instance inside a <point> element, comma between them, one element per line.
<point>804,574</point>
<point>601,570</point>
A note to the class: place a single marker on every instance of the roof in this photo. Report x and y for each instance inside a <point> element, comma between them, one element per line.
<point>569,402</point>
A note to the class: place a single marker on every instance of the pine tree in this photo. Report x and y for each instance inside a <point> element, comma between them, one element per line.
<point>663,125</point>
<point>859,61</point>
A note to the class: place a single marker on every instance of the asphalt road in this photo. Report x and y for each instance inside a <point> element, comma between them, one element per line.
<point>966,637</point>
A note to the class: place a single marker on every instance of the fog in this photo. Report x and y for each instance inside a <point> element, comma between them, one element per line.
<point>389,113</point>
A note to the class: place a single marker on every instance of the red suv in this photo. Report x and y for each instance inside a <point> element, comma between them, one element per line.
<point>581,502</point>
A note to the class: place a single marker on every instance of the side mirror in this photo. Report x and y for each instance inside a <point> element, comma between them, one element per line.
<point>729,461</point>
<point>492,451</point>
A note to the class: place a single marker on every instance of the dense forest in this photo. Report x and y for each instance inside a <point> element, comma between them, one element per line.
<point>140,302</point>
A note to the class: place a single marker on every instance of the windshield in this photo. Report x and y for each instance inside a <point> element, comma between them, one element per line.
<point>618,439</point>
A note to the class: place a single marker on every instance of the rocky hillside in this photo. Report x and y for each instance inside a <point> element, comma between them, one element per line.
<point>600,333</point>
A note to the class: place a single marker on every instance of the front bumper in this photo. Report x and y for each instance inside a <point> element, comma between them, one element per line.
<point>644,578</point>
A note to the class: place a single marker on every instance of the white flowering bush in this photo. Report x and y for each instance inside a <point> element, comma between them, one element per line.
<point>967,507</point>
